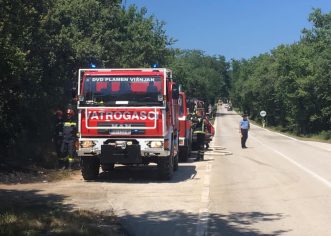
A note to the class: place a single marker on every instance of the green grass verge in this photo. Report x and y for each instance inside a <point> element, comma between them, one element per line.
<point>324,136</point>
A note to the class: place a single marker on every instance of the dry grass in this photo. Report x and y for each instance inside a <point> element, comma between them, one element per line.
<point>33,175</point>
<point>28,212</point>
<point>32,213</point>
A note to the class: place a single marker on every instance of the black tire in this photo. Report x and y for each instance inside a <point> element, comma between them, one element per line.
<point>165,167</point>
<point>195,146</point>
<point>90,168</point>
<point>201,156</point>
<point>183,154</point>
<point>176,162</point>
<point>107,167</point>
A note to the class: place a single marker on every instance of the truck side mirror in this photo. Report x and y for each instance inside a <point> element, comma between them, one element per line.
<point>81,98</point>
<point>180,88</point>
<point>175,92</point>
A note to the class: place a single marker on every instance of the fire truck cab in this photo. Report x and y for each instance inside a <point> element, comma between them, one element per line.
<point>127,116</point>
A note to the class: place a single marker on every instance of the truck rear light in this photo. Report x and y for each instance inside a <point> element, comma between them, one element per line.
<point>87,144</point>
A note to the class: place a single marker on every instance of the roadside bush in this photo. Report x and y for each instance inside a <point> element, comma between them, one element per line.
<point>326,135</point>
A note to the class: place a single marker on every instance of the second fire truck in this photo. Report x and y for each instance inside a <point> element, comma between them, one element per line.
<point>185,135</point>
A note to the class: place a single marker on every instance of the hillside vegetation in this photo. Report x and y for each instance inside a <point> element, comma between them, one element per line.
<point>292,82</point>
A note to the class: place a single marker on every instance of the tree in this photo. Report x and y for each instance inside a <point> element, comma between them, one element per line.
<point>44,43</point>
<point>203,77</point>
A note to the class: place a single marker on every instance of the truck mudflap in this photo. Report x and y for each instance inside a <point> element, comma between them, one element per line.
<point>111,154</point>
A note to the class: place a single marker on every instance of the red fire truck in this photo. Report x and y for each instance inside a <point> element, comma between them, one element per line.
<point>127,116</point>
<point>185,134</point>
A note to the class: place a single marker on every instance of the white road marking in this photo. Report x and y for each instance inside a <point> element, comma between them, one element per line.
<point>206,181</point>
<point>203,217</point>
<point>205,195</point>
<point>208,168</point>
<point>203,222</point>
<point>202,225</point>
<point>311,173</point>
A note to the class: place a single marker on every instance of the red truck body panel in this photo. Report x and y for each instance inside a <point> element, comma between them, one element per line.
<point>185,134</point>
<point>185,124</point>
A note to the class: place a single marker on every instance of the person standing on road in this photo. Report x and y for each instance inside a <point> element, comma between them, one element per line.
<point>243,129</point>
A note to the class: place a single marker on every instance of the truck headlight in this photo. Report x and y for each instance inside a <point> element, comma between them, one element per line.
<point>155,144</point>
<point>87,144</point>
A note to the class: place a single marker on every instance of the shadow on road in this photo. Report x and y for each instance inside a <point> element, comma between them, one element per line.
<point>145,174</point>
<point>30,212</point>
<point>183,223</point>
<point>242,223</point>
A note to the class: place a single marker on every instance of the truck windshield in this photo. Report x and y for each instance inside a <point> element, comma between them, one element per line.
<point>123,90</point>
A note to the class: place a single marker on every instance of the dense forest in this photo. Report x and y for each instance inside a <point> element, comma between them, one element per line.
<point>44,43</point>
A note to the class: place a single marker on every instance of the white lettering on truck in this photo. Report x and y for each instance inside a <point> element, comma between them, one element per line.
<point>108,116</point>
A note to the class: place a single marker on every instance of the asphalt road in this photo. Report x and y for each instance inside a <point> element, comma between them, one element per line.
<point>277,186</point>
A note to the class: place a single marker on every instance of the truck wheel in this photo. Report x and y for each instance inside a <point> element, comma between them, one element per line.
<point>195,146</point>
<point>176,162</point>
<point>90,168</point>
<point>165,167</point>
<point>183,154</point>
<point>107,167</point>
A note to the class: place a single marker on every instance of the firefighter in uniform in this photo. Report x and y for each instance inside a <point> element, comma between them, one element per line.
<point>69,138</point>
<point>199,133</point>
<point>58,132</point>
